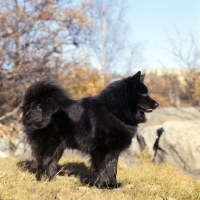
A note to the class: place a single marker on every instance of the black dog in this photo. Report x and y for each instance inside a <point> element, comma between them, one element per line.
<point>101,126</point>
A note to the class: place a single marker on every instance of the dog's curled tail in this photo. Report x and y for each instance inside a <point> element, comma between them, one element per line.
<point>41,101</point>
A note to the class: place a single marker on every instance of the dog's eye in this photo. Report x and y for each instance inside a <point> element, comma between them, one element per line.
<point>144,95</point>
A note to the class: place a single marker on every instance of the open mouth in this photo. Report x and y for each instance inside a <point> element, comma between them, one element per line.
<point>143,109</point>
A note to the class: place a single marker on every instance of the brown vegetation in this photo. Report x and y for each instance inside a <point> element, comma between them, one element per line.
<point>81,81</point>
<point>34,36</point>
<point>147,181</point>
<point>175,90</point>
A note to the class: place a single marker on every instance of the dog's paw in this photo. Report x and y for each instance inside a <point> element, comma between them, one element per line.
<point>38,176</point>
<point>108,185</point>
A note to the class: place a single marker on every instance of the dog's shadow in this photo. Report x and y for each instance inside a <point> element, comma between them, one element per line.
<point>78,170</point>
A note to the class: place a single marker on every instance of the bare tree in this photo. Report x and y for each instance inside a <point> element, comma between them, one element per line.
<point>37,37</point>
<point>186,52</point>
<point>109,42</point>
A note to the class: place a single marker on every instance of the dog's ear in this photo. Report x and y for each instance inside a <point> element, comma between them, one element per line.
<point>142,78</point>
<point>136,77</point>
<point>132,81</point>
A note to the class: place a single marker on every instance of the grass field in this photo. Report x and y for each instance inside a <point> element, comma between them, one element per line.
<point>144,182</point>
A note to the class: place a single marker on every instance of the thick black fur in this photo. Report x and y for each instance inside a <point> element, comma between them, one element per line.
<point>101,126</point>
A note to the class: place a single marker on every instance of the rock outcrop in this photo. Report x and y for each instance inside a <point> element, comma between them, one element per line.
<point>174,142</point>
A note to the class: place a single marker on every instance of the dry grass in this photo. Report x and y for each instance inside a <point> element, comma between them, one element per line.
<point>146,182</point>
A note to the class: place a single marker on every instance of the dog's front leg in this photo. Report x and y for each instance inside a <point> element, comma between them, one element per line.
<point>104,167</point>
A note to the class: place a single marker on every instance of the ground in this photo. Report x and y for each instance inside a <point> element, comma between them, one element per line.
<point>139,182</point>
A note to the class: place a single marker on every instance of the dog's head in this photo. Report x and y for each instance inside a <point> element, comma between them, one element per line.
<point>141,101</point>
<point>128,99</point>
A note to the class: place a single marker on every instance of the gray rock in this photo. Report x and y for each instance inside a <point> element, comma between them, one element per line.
<point>134,149</point>
<point>181,143</point>
<point>3,154</point>
<point>22,146</point>
<point>4,146</point>
<point>175,142</point>
<point>150,135</point>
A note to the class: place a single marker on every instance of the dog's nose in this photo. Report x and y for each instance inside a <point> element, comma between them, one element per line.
<point>156,104</point>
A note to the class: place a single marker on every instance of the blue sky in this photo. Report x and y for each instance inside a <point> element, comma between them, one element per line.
<point>150,20</point>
